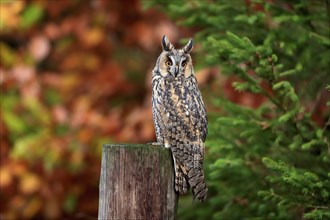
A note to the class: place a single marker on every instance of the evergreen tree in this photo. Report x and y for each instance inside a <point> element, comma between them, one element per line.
<point>272,162</point>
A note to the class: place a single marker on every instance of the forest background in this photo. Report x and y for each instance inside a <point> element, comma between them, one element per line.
<point>76,74</point>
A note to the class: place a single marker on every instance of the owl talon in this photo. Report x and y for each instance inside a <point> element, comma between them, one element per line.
<point>155,144</point>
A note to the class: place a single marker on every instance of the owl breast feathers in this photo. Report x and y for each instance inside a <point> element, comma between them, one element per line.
<point>180,117</point>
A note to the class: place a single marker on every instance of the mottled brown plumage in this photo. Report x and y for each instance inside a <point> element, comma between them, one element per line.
<point>180,116</point>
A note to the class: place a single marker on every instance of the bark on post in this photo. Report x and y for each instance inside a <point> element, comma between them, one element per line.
<point>137,182</point>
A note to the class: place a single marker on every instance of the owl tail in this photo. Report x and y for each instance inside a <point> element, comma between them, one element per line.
<point>188,163</point>
<point>197,183</point>
<point>181,184</point>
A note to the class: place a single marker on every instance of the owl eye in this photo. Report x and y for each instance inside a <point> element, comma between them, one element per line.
<point>168,63</point>
<point>184,64</point>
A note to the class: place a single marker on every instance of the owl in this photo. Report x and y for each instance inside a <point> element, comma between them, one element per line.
<point>180,116</point>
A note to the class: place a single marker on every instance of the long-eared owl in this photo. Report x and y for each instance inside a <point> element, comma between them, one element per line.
<point>180,117</point>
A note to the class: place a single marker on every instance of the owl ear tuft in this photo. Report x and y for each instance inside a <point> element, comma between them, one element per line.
<point>167,45</point>
<point>189,46</point>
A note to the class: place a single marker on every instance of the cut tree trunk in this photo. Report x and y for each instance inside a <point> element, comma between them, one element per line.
<point>137,182</point>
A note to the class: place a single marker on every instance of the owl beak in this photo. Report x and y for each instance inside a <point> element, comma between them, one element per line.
<point>176,70</point>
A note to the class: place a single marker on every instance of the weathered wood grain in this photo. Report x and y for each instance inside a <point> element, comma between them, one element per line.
<point>137,182</point>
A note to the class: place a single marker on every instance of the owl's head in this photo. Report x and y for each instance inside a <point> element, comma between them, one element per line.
<point>173,62</point>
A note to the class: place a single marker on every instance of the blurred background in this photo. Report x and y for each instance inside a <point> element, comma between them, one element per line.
<point>76,74</point>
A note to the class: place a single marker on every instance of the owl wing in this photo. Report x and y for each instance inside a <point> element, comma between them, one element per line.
<point>187,132</point>
<point>197,108</point>
<point>158,89</point>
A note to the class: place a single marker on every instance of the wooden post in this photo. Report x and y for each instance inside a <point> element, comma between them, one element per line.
<point>137,182</point>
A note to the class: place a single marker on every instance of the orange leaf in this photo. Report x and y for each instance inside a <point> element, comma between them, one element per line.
<point>29,183</point>
<point>5,177</point>
<point>9,16</point>
<point>92,37</point>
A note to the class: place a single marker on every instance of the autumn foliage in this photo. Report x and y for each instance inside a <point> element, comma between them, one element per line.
<point>73,75</point>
